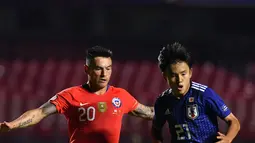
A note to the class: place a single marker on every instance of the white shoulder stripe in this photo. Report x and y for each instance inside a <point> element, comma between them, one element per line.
<point>198,84</point>
<point>193,82</point>
<point>170,91</point>
<point>197,88</point>
<point>166,92</point>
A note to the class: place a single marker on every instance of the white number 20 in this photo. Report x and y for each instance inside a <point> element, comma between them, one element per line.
<point>181,131</point>
<point>87,114</point>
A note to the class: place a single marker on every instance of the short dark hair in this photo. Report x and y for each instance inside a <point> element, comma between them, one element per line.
<point>172,54</point>
<point>97,51</point>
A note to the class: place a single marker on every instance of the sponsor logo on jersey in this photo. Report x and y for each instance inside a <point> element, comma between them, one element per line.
<point>167,112</point>
<point>83,104</point>
<point>116,102</point>
<point>192,111</point>
<point>102,106</point>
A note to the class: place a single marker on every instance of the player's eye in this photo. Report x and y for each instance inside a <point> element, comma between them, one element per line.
<point>97,68</point>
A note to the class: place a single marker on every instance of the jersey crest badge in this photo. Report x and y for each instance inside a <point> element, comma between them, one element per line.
<point>102,106</point>
<point>116,102</point>
<point>192,111</point>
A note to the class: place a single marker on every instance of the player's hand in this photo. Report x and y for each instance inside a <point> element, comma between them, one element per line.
<point>223,138</point>
<point>5,127</point>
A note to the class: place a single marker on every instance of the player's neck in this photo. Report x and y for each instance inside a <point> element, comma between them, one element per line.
<point>95,90</point>
<point>101,91</point>
<point>185,93</point>
<point>178,96</point>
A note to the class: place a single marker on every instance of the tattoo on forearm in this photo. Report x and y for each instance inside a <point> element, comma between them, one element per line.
<point>22,124</point>
<point>144,112</point>
<point>26,122</point>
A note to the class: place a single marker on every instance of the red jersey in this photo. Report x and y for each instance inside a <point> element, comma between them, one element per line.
<point>94,118</point>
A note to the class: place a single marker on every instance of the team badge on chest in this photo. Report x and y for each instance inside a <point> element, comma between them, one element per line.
<point>116,102</point>
<point>192,111</point>
<point>102,106</point>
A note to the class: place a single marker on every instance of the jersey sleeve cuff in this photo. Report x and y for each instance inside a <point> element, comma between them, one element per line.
<point>134,106</point>
<point>226,114</point>
<point>56,104</point>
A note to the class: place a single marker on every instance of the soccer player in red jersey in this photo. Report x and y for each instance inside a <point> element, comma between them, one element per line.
<point>93,110</point>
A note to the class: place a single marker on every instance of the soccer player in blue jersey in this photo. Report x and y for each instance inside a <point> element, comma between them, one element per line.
<point>190,109</point>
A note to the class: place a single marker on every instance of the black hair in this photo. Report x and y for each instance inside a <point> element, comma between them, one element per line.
<point>172,54</point>
<point>97,51</point>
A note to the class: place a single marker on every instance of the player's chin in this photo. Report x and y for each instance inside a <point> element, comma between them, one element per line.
<point>180,92</point>
<point>102,84</point>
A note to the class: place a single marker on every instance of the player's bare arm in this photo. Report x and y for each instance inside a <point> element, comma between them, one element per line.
<point>234,127</point>
<point>29,118</point>
<point>143,111</point>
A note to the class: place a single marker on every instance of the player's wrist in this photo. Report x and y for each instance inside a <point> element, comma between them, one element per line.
<point>230,139</point>
<point>11,126</point>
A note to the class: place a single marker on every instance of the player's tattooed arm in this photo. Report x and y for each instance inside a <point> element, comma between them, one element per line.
<point>143,111</point>
<point>48,109</point>
<point>30,117</point>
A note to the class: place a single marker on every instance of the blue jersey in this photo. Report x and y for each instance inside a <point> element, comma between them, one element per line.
<point>193,117</point>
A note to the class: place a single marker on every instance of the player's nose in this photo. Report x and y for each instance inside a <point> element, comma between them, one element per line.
<point>179,79</point>
<point>103,73</point>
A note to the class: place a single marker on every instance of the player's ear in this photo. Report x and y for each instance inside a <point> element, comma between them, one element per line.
<point>164,74</point>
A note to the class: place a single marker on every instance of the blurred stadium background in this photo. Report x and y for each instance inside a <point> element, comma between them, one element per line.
<point>43,45</point>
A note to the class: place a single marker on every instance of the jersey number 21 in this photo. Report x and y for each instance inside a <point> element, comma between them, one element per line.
<point>181,131</point>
